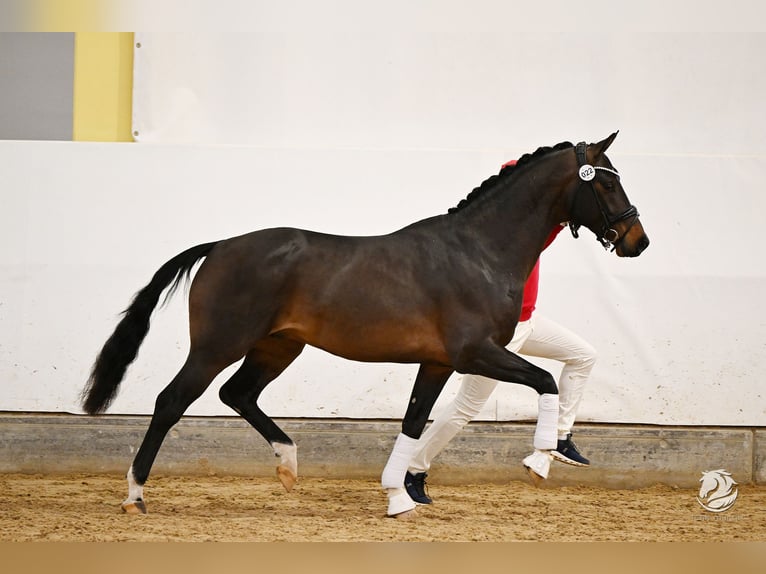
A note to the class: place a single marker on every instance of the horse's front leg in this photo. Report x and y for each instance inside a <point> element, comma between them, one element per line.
<point>498,363</point>
<point>428,385</point>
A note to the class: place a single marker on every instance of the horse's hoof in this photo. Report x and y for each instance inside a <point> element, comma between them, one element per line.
<point>536,479</point>
<point>538,465</point>
<point>134,507</point>
<point>407,515</point>
<point>286,477</point>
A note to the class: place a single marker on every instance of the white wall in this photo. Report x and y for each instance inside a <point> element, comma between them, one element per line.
<point>433,85</point>
<point>680,330</point>
<point>354,131</point>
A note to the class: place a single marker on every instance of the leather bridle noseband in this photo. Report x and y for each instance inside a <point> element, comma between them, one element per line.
<point>607,235</point>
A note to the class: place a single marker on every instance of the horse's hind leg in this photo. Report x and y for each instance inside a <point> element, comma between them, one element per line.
<point>262,365</point>
<point>190,382</point>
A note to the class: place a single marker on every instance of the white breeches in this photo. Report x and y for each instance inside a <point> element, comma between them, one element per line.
<point>538,337</point>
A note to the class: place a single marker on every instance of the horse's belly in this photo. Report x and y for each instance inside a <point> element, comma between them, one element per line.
<point>390,341</point>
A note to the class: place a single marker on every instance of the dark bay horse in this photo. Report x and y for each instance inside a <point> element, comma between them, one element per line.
<point>444,292</point>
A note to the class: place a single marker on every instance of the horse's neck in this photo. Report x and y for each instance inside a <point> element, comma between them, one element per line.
<point>519,218</point>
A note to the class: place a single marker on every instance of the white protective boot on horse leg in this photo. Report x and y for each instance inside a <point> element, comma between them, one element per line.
<point>538,463</point>
<point>287,470</point>
<point>134,504</point>
<point>400,505</point>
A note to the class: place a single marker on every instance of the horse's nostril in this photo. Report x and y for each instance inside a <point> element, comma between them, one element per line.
<point>644,243</point>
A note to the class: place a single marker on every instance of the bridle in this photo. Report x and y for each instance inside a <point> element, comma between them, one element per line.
<point>607,236</point>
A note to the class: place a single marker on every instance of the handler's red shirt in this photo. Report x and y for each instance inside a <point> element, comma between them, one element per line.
<point>529,299</point>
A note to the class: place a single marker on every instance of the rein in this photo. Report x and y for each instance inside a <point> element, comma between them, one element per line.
<point>608,235</point>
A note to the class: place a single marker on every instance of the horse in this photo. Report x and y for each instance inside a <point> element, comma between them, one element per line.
<point>444,293</point>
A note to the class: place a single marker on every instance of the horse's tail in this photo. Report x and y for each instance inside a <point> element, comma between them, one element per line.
<point>121,348</point>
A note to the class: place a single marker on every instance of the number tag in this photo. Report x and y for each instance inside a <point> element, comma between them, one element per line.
<point>587,172</point>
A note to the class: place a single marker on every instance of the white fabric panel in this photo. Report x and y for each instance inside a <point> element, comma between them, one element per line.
<point>680,330</point>
<point>309,121</point>
<point>322,84</point>
<point>455,16</point>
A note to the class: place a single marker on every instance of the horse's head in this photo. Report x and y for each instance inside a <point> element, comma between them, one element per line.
<point>599,202</point>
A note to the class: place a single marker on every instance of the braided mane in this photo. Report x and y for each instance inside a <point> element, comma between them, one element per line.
<point>506,172</point>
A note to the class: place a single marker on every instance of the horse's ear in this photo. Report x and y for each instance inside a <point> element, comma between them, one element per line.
<point>600,147</point>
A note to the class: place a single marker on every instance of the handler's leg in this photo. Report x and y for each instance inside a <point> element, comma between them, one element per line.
<point>470,399</point>
<point>550,340</point>
<point>473,393</point>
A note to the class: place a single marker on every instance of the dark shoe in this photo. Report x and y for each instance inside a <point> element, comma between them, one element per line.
<point>567,452</point>
<point>416,487</point>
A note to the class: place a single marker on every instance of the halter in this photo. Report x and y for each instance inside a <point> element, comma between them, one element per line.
<point>608,235</point>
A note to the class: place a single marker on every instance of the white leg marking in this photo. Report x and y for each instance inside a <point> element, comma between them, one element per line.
<point>287,470</point>
<point>134,504</point>
<point>135,490</point>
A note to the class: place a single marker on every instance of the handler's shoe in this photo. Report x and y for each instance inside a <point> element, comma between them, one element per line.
<point>567,452</point>
<point>416,487</point>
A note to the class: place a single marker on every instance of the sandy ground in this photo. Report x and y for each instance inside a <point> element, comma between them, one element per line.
<point>87,508</point>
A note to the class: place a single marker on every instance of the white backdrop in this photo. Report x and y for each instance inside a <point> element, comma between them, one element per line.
<point>362,130</point>
<point>321,84</point>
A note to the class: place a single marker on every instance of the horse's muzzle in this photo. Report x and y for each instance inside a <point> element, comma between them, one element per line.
<point>628,248</point>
